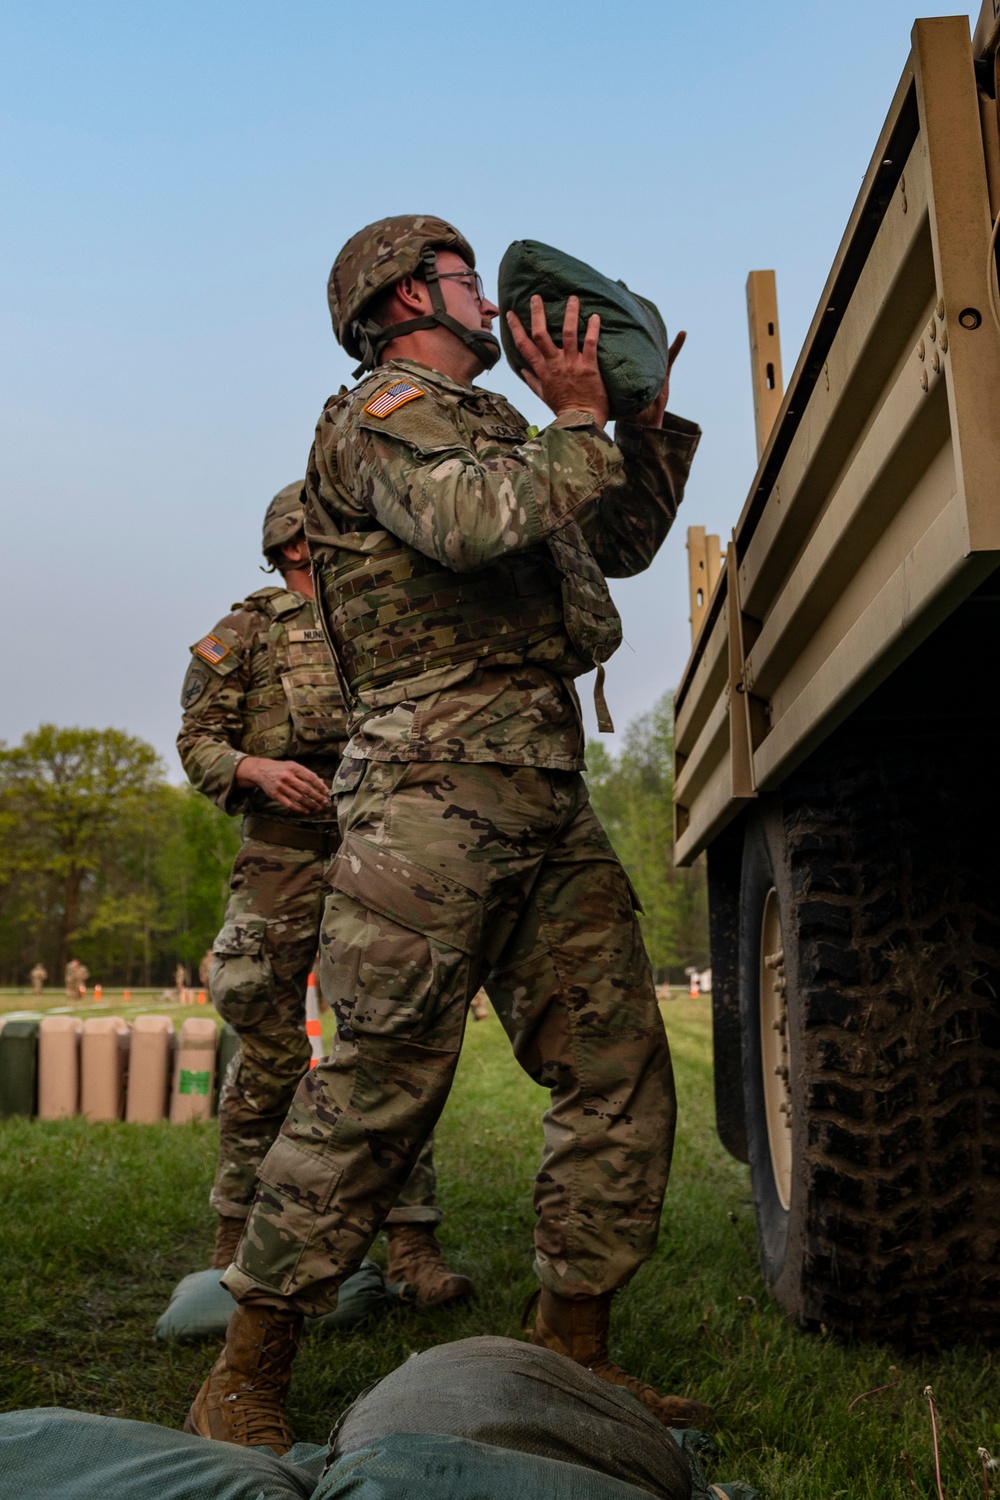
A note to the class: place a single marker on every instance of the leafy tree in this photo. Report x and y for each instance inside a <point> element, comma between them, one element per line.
<point>192,870</point>
<point>75,793</point>
<point>632,795</point>
<point>101,857</point>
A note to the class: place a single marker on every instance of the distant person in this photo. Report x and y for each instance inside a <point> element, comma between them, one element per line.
<point>180,983</point>
<point>479,1006</point>
<point>77,975</point>
<point>263,730</point>
<point>38,976</point>
<point>205,969</point>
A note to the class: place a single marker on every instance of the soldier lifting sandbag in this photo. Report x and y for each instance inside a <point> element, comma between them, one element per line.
<point>460,567</point>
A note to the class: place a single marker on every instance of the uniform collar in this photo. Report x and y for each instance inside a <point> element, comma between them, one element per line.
<point>430,377</point>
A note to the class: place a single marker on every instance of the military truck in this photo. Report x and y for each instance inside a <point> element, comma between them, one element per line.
<point>838,743</point>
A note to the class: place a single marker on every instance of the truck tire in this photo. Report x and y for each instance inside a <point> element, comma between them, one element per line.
<point>869,979</point>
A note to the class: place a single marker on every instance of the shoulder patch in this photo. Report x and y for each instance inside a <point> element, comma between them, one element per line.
<point>211,649</point>
<point>393,396</point>
<point>194,685</point>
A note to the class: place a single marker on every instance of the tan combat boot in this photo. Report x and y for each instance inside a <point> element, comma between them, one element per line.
<point>243,1399</point>
<point>578,1327</point>
<point>415,1256</point>
<point>228,1234</point>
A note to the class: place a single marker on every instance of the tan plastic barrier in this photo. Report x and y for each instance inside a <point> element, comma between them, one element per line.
<point>58,1067</point>
<point>149,1069</point>
<point>194,1071</point>
<point>103,1060</point>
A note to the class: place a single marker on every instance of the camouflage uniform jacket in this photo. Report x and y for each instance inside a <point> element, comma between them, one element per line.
<point>261,683</point>
<point>449,472</point>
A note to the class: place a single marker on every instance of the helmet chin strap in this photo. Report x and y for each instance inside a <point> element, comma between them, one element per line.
<point>373,338</point>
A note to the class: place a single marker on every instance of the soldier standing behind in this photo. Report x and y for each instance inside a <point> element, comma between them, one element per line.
<point>460,564</point>
<point>262,734</point>
<point>38,976</point>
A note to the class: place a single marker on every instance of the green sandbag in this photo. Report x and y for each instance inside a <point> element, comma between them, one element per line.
<point>229,1045</point>
<point>520,1397</point>
<point>699,1449</point>
<point>18,1067</point>
<point>53,1454</point>
<point>632,351</point>
<point>200,1307</point>
<point>404,1466</point>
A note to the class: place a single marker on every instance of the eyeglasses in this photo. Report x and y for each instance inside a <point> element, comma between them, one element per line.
<point>472,279</point>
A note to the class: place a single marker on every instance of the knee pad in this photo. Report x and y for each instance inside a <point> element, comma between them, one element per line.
<point>241,979</point>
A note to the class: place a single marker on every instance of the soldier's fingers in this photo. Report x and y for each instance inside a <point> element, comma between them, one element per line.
<point>571,325</point>
<point>540,328</point>
<point>590,339</point>
<point>532,382</point>
<point>303,776</point>
<point>522,343</point>
<point>675,349</point>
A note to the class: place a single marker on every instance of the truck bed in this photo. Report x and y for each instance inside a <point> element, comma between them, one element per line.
<point>875,509</point>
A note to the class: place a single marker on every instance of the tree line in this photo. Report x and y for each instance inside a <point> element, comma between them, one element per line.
<point>103,860</point>
<point>632,794</point>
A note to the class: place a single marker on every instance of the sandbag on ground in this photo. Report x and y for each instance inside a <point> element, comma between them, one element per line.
<point>516,1396</point>
<point>53,1454</point>
<point>405,1466</point>
<point>200,1307</point>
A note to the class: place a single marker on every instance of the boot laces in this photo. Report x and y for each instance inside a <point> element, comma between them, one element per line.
<point>258,1421</point>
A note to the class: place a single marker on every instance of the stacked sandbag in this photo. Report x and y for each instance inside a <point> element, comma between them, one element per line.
<point>58,1067</point>
<point>150,1067</point>
<point>106,1068</point>
<point>103,1067</point>
<point>18,1065</point>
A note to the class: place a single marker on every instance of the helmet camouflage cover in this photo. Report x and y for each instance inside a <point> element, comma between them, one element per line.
<point>376,258</point>
<point>285,518</point>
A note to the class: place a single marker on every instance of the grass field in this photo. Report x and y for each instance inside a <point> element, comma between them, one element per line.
<point>97,1223</point>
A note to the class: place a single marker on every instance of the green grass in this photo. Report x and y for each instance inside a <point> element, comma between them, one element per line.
<point>97,1223</point>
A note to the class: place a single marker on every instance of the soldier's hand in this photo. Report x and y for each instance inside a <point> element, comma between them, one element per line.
<point>566,379</point>
<point>286,782</point>
<point>653,415</point>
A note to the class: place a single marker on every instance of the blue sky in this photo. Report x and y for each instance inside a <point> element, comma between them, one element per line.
<point>178,180</point>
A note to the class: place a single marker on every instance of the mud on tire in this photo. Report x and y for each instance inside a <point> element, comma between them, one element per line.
<point>886,867</point>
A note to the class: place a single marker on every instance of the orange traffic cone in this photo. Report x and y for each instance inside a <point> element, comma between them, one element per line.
<point>201,998</point>
<point>98,992</point>
<point>313,1028</point>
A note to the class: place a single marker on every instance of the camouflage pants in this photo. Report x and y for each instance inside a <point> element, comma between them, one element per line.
<point>451,875</point>
<point>262,958</point>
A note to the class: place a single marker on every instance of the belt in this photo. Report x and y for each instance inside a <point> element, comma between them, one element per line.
<point>291,835</point>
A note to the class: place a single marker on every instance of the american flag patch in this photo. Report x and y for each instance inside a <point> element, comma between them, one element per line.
<point>211,650</point>
<point>388,400</point>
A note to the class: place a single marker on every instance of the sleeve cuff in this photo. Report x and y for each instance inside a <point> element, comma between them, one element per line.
<point>232,798</point>
<point>576,419</point>
<point>676,432</point>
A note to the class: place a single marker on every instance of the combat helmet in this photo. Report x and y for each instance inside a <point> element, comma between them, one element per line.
<point>376,258</point>
<point>284,519</point>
